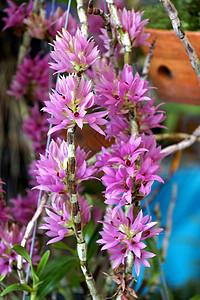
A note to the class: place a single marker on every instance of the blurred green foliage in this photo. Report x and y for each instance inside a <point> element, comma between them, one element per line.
<point>188,12</point>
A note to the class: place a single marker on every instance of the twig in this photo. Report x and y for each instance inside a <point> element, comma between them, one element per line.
<point>169,220</point>
<point>123,36</point>
<point>183,144</point>
<point>81,244</point>
<point>24,48</point>
<point>82,17</point>
<point>106,19</point>
<point>26,236</point>
<point>176,24</point>
<point>172,135</point>
<point>147,61</point>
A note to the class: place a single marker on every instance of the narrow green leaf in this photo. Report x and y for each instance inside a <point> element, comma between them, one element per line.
<point>53,273</point>
<point>23,252</point>
<point>92,245</point>
<point>35,277</point>
<point>42,262</point>
<point>61,245</point>
<point>1,277</point>
<point>17,287</point>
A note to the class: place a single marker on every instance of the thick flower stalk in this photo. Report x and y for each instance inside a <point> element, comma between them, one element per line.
<point>123,234</point>
<point>70,103</point>
<point>73,54</point>
<point>123,36</point>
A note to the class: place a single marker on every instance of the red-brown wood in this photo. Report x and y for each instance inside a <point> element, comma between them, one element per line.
<point>170,70</point>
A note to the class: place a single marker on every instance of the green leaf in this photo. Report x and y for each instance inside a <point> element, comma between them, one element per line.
<point>53,272</point>
<point>92,245</point>
<point>35,277</point>
<point>42,262</point>
<point>1,277</point>
<point>197,297</point>
<point>17,287</point>
<point>61,245</point>
<point>23,252</point>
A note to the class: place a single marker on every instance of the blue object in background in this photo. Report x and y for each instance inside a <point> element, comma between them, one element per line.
<point>183,255</point>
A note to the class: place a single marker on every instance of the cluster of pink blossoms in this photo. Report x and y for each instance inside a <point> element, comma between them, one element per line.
<point>36,127</point>
<point>59,222</point>
<point>122,95</point>
<point>132,23</point>
<point>38,25</point>
<point>32,79</point>
<point>51,174</point>
<point>133,163</point>
<point>122,234</point>
<point>71,104</point>
<point>11,234</point>
<point>130,169</point>
<point>73,54</point>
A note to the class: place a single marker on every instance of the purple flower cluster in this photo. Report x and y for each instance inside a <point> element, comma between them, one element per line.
<point>70,104</point>
<point>36,127</point>
<point>132,23</point>
<point>123,94</point>
<point>52,175</point>
<point>9,236</point>
<point>16,15</point>
<point>24,207</point>
<point>51,172</point>
<point>129,169</point>
<point>59,221</point>
<point>32,79</point>
<point>38,25</point>
<point>73,54</point>
<point>122,234</point>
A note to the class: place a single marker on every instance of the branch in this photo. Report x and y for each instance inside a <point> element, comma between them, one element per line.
<point>147,61</point>
<point>24,48</point>
<point>82,17</point>
<point>81,244</point>
<point>176,24</point>
<point>172,135</point>
<point>183,144</point>
<point>107,23</point>
<point>169,220</point>
<point>123,36</point>
<point>26,236</point>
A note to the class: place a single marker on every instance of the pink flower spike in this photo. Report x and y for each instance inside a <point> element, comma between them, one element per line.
<point>51,172</point>
<point>122,234</point>
<point>70,103</point>
<point>73,54</point>
<point>15,14</point>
